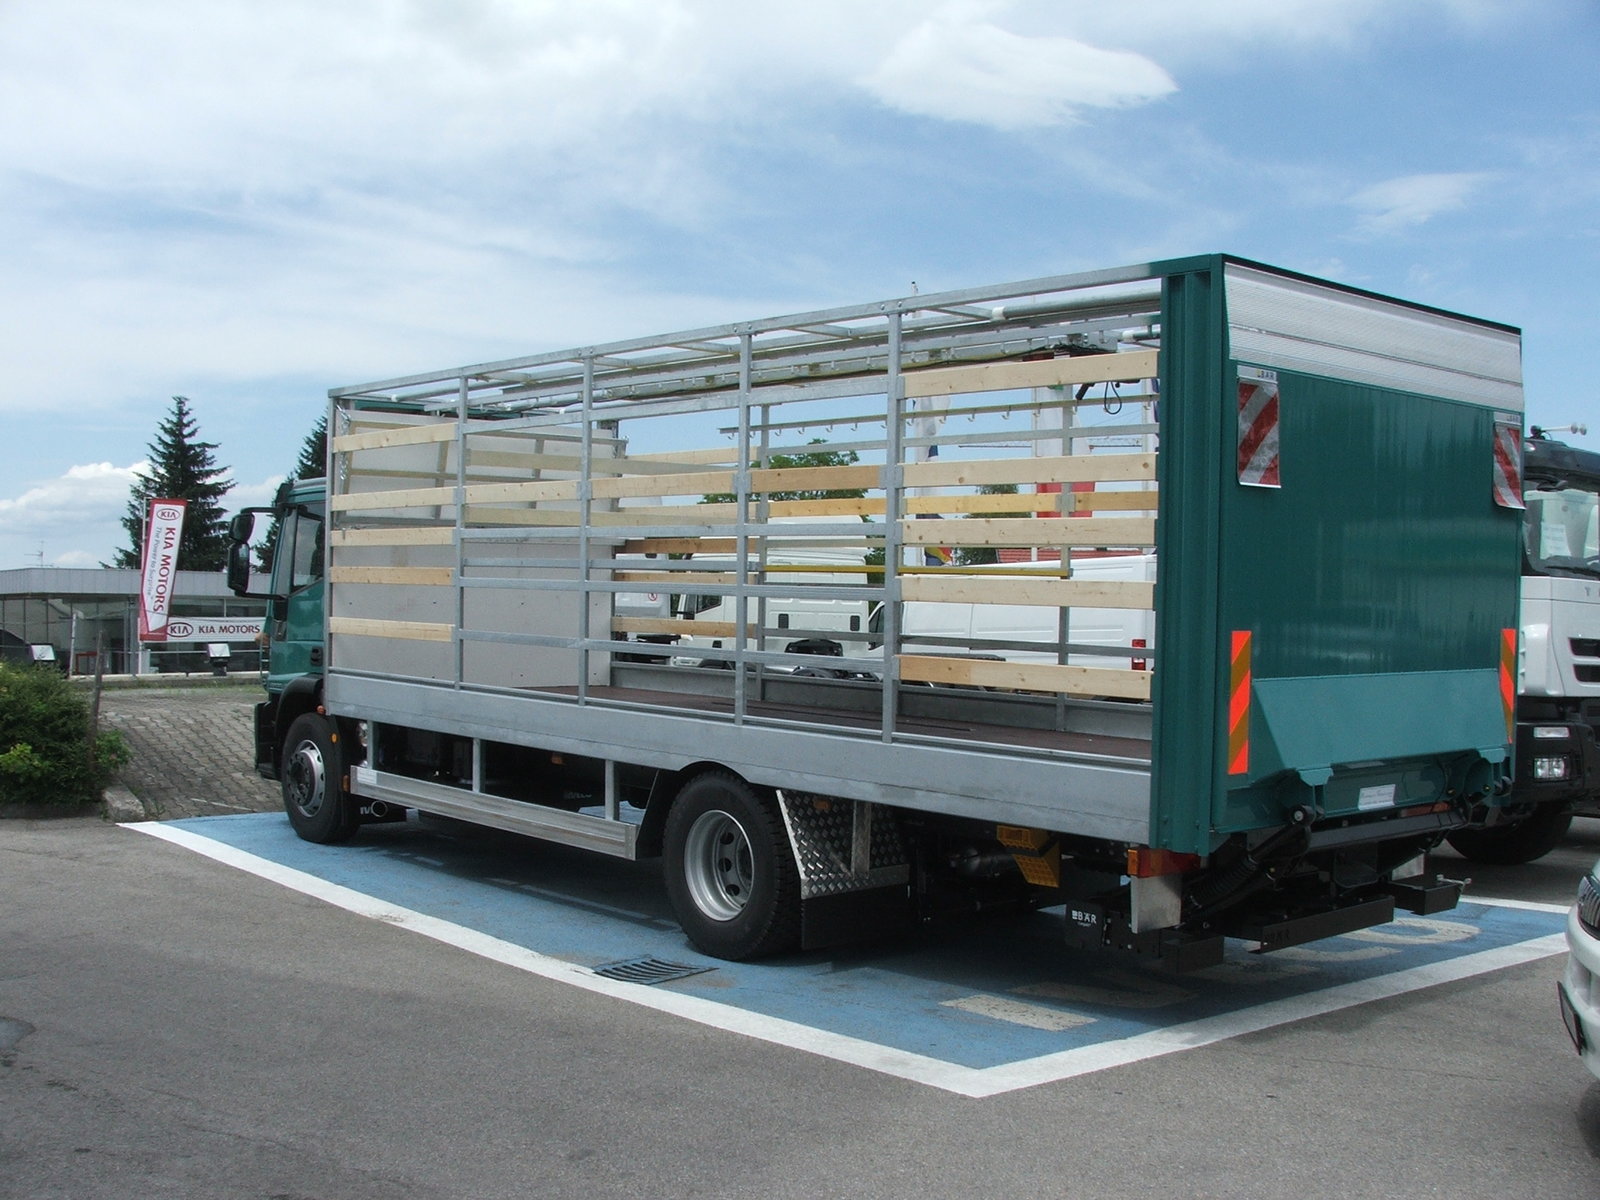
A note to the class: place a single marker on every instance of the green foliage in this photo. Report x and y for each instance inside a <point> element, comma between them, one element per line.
<point>44,741</point>
<point>181,468</point>
<point>805,458</point>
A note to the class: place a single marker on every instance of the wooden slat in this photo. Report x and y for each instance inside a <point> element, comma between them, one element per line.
<point>533,489</point>
<point>686,484</point>
<point>528,460</point>
<point>1067,468</point>
<point>1031,531</point>
<point>1019,502</point>
<point>403,498</point>
<point>1097,501</point>
<point>412,631</point>
<point>435,535</point>
<point>715,455</point>
<point>406,576</point>
<point>1026,677</point>
<point>669,514</point>
<point>1050,593</point>
<point>815,479</point>
<point>866,506</point>
<point>714,629</point>
<point>479,516</point>
<point>1047,372</point>
<point>384,437</point>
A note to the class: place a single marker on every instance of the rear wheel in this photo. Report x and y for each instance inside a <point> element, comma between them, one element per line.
<point>730,873</point>
<point>1519,842</point>
<point>312,772</point>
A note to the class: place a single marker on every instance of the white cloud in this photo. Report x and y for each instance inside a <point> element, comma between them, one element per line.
<point>958,67</point>
<point>1398,204</point>
<point>75,519</point>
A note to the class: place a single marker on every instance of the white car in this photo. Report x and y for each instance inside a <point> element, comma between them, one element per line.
<point>1580,987</point>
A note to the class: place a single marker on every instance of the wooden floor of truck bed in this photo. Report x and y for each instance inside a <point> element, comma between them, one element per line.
<point>1047,740</point>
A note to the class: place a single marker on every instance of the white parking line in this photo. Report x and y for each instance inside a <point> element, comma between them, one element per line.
<point>916,1068</point>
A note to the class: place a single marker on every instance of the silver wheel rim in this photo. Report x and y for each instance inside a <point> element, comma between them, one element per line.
<point>307,777</point>
<point>718,866</point>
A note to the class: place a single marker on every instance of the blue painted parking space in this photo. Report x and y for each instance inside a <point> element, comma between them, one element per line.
<point>980,1007</point>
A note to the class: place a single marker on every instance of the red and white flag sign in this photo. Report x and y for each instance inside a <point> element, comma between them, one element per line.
<point>1508,464</point>
<point>1258,427</point>
<point>158,572</point>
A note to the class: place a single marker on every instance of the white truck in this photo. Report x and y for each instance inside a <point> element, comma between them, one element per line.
<point>1558,677</point>
<point>1322,698</point>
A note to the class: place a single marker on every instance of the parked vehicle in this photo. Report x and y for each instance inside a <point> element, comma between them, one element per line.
<point>1558,677</point>
<point>1330,577</point>
<point>1579,990</point>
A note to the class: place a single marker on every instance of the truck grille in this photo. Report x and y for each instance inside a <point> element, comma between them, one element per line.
<point>1586,647</point>
<point>1589,905</point>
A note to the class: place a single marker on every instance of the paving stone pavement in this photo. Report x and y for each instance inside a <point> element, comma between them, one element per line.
<point>192,749</point>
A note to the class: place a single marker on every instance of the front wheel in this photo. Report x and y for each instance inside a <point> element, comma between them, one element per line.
<point>312,772</point>
<point>730,873</point>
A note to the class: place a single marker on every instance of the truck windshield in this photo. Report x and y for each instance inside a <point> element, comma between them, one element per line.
<point>1563,532</point>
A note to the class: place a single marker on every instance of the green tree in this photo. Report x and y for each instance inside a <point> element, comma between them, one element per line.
<point>312,463</point>
<point>181,468</point>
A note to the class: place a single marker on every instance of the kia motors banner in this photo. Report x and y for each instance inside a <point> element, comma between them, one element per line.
<point>159,570</point>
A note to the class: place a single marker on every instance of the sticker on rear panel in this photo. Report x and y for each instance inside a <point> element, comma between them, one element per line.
<point>1377,796</point>
<point>1258,428</point>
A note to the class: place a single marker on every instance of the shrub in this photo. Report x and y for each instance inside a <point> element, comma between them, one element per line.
<point>44,741</point>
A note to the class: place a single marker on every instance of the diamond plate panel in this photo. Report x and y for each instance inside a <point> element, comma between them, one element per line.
<point>843,845</point>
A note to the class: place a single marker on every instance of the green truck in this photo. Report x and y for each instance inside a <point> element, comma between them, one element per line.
<point>1319,473</point>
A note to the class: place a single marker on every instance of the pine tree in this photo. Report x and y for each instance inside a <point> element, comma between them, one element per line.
<point>312,463</point>
<point>181,468</point>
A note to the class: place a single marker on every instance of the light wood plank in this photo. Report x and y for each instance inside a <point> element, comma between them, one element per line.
<point>413,631</point>
<point>1047,372</point>
<point>434,535</point>
<point>815,479</point>
<point>1031,531</point>
<point>679,625</point>
<point>405,576</point>
<point>401,498</point>
<point>686,484</point>
<point>1050,593</point>
<point>1098,501</point>
<point>1067,468</point>
<point>1026,677</point>
<point>383,437</point>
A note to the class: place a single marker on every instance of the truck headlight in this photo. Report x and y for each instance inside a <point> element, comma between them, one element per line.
<point>1551,768</point>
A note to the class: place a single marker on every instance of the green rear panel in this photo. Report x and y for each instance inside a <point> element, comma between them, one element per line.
<point>1374,584</point>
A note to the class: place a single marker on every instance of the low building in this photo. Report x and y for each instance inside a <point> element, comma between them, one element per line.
<point>69,616</point>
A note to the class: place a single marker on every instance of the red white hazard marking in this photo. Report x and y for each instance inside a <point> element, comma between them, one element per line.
<point>1258,428</point>
<point>1508,465</point>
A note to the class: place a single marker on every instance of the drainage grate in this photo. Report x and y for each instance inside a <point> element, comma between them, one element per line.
<point>648,970</point>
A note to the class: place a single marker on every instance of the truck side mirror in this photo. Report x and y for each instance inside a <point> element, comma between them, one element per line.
<point>239,562</point>
<point>242,526</point>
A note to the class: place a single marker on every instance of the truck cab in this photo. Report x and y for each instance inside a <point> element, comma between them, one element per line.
<point>294,587</point>
<point>1558,693</point>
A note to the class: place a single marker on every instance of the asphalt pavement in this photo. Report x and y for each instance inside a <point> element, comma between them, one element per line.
<point>173,1027</point>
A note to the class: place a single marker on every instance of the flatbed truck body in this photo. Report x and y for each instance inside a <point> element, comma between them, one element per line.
<point>1334,590</point>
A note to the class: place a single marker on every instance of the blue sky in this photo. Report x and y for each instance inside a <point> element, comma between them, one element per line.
<point>249,204</point>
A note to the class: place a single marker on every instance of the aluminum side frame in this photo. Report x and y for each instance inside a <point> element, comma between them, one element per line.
<point>1109,799</point>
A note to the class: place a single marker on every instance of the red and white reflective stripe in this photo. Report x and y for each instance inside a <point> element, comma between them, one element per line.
<point>1508,465</point>
<point>1258,428</point>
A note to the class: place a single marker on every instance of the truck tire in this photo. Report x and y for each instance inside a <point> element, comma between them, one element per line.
<point>730,873</point>
<point>1519,842</point>
<point>312,771</point>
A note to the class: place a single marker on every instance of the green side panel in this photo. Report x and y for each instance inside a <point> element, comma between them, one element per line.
<point>1188,685</point>
<point>1374,585</point>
